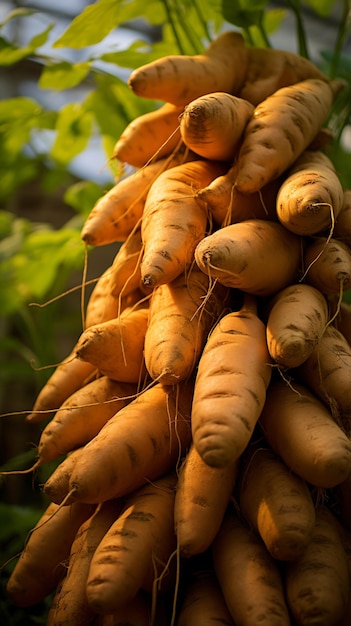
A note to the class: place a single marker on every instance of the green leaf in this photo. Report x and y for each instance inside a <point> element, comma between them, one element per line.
<point>39,40</point>
<point>10,53</point>
<point>17,109</point>
<point>63,75</point>
<point>30,273</point>
<point>91,26</point>
<point>243,13</point>
<point>114,106</point>
<point>82,196</point>
<point>321,7</point>
<point>73,131</point>
<point>20,12</point>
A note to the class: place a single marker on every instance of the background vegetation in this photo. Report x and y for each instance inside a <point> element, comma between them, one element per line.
<point>77,108</point>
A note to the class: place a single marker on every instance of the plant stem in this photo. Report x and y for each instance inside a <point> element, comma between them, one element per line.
<point>344,27</point>
<point>302,42</point>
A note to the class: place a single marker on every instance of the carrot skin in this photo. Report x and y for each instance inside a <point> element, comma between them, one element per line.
<point>249,577</point>
<point>202,496</point>
<point>135,548</point>
<point>71,605</point>
<point>174,221</point>
<point>259,257</point>
<point>226,407</point>
<point>317,584</point>
<point>276,503</point>
<point>141,442</point>
<point>42,561</point>
<point>301,429</point>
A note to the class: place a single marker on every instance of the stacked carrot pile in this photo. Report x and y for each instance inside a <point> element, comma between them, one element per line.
<point>203,415</point>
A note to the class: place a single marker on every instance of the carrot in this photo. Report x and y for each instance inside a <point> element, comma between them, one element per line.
<point>296,319</point>
<point>174,221</point>
<point>343,320</point>
<point>270,69</point>
<point>213,124</point>
<point>282,127</point>
<point>116,214</point>
<point>125,270</point>
<point>227,204</point>
<point>311,197</point>
<point>136,548</point>
<point>153,135</point>
<point>202,496</point>
<point>301,429</point>
<point>101,305</point>
<point>69,376</point>
<point>143,441</point>
<point>317,584</point>
<point>178,325</point>
<point>276,503</point>
<point>248,575</point>
<point>342,228</point>
<point>137,612</point>
<point>327,371</point>
<point>116,347</point>
<point>71,605</point>
<point>81,417</point>
<point>343,503</point>
<point>73,373</point>
<point>327,263</point>
<point>233,374</point>
<point>42,561</point>
<point>179,79</point>
<point>227,207</point>
<point>203,601</point>
<point>257,256</point>
<point>56,485</point>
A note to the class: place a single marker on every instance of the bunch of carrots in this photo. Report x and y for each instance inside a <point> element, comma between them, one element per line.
<point>203,416</point>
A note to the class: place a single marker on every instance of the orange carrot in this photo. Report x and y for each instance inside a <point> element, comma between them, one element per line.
<point>296,319</point>
<point>311,197</point>
<point>153,135</point>
<point>135,550</point>
<point>270,69</point>
<point>282,127</point>
<point>327,371</point>
<point>125,270</point>
<point>56,486</point>
<point>174,221</point>
<point>116,347</point>
<point>213,124</point>
<point>276,503</point>
<point>203,601</point>
<point>71,605</point>
<point>120,209</point>
<point>73,373</point>
<point>301,429</point>
<point>143,441</point>
<point>317,584</point>
<point>342,228</point>
<point>69,376</point>
<point>227,207</point>
<point>249,577</point>
<point>257,256</point>
<point>178,325</point>
<point>181,78</point>
<point>42,561</point>
<point>230,388</point>
<point>202,496</point>
<point>82,415</point>
<point>327,263</point>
